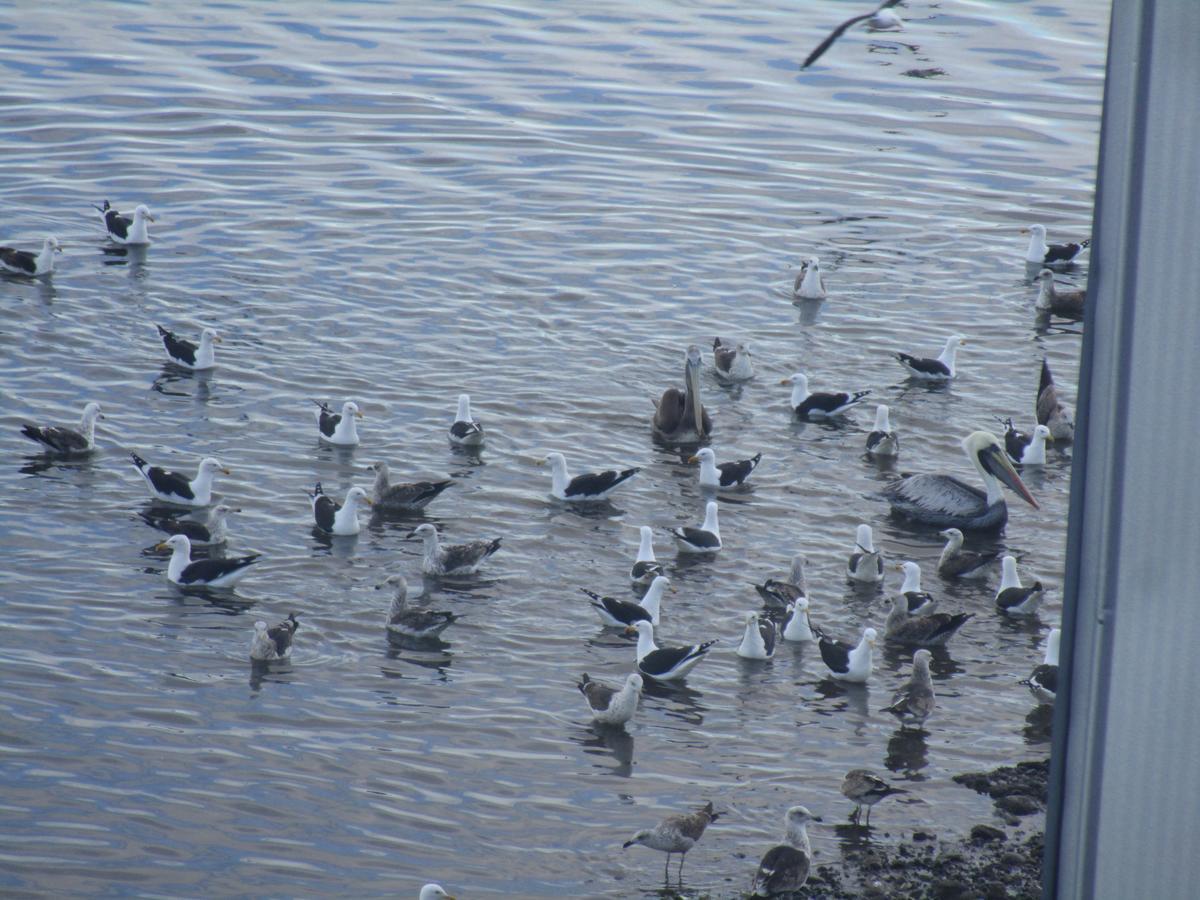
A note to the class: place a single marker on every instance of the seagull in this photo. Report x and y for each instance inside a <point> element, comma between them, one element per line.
<point>465,431</point>
<point>880,19</point>
<point>646,567</point>
<point>1054,255</point>
<point>592,486</point>
<point>679,416</point>
<point>406,497</point>
<point>405,622</point>
<point>610,705</point>
<point>203,573</point>
<point>778,594</point>
<point>914,702</point>
<point>943,501</point>
<point>732,361</point>
<point>864,788</point>
<point>821,405</point>
<point>187,355</point>
<point>63,441</point>
<point>846,662</point>
<point>175,488</point>
<point>784,868</point>
<point>209,533</point>
<point>456,559</point>
<point>1051,411</point>
<point>1026,449</point>
<point>865,565</point>
<point>1050,300</point>
<point>955,562</point>
<point>758,641</point>
<point>882,441</point>
<point>339,430</point>
<point>620,613</point>
<point>797,625</point>
<point>675,834</point>
<point>932,630</point>
<point>810,284</point>
<point>124,230</point>
<point>705,539</point>
<point>25,262</point>
<point>337,518</point>
<point>1043,681</point>
<point>665,663</point>
<point>433,891</point>
<point>916,601</point>
<point>1011,598</point>
<point>273,643</point>
<point>726,474</point>
<point>940,369</point>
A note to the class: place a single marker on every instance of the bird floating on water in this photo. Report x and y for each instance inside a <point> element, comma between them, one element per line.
<point>464,430</point>
<point>865,564</point>
<point>1011,598</point>
<point>1051,411</point>
<point>823,404</point>
<point>955,562</point>
<point>758,640</point>
<point>1026,449</point>
<point>338,429</point>
<point>732,361</point>
<point>777,594</point>
<point>675,834</point>
<point>405,497</point>
<point>864,788</point>
<point>705,539</point>
<point>620,613</point>
<point>883,441</point>
<point>931,630</point>
<point>916,601</point>
<point>172,487</point>
<point>187,354</point>
<point>609,705</point>
<point>1043,681</point>
<point>664,663</point>
<point>123,229</point>
<point>880,19</point>
<point>937,369</point>
<point>797,625</point>
<point>1050,300</point>
<point>337,518</point>
<point>810,283</point>
<point>203,573</point>
<point>591,486</point>
<point>943,501</point>
<point>679,416</point>
<point>913,703</point>
<point>784,868</point>
<point>63,441</point>
<point>453,559</point>
<point>847,662</point>
<point>723,475</point>
<point>646,567</point>
<point>25,262</point>
<point>209,533</point>
<point>1053,255</point>
<point>269,644</point>
<point>404,621</point>
<point>433,891</point>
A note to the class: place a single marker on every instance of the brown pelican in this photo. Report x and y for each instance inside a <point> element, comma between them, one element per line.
<point>1051,411</point>
<point>1050,300</point>
<point>1040,252</point>
<point>677,413</point>
<point>944,501</point>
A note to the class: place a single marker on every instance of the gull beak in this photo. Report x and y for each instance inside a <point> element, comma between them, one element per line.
<point>1049,437</point>
<point>693,459</point>
<point>236,509</point>
<point>1024,231</point>
<point>786,381</point>
<point>227,471</point>
<point>161,546</point>
<point>368,501</point>
<point>58,249</point>
<point>630,631</point>
<point>217,339</point>
<point>151,217</point>
<point>358,414</point>
<point>817,819</point>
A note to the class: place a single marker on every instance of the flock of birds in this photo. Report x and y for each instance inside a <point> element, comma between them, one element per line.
<point>185,510</point>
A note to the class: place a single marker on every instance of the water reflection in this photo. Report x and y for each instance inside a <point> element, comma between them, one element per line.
<point>172,380</point>
<point>678,700</point>
<point>907,752</point>
<point>598,739</point>
<point>1039,724</point>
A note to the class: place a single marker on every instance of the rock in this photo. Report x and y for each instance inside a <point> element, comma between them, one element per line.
<point>984,834</point>
<point>1018,804</point>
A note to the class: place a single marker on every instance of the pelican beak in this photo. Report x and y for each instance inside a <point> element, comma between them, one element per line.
<point>995,461</point>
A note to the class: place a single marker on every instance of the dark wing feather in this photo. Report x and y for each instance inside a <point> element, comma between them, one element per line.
<point>324,509</point>
<point>203,571</point>
<point>670,412</point>
<point>463,429</point>
<point>595,483</point>
<point>117,224</point>
<point>924,364</point>
<point>21,260</point>
<point>165,482</point>
<point>197,532</point>
<point>599,695</point>
<point>941,494</point>
<point>56,438</point>
<point>177,347</point>
<point>828,42</point>
<point>783,869</point>
<point>329,420</point>
<point>664,659</point>
<point>414,495</point>
<point>733,473</point>
<point>835,654</point>
<point>698,536</point>
<point>625,611</point>
<point>458,556</point>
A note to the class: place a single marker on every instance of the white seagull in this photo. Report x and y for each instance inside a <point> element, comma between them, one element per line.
<point>175,488</point>
<point>822,404</point>
<point>882,441</point>
<point>609,705</point>
<point>865,564</point>
<point>338,429</point>
<point>24,262</point>
<point>847,662</point>
<point>465,431</point>
<point>758,640</point>
<point>124,230</point>
<point>1054,255</point>
<point>337,518</point>
<point>664,663</point>
<point>723,475</point>
<point>810,283</point>
<point>64,441</point>
<point>592,486</point>
<point>646,567</point>
<point>705,539</point>
<point>937,369</point>
<point>203,573</point>
<point>1011,598</point>
<point>187,354</point>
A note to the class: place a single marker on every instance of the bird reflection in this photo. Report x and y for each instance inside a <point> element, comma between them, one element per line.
<point>907,751</point>
<point>683,702</point>
<point>597,739</point>
<point>845,695</point>
<point>437,659</point>
<point>809,310</point>
<point>39,464</point>
<point>171,381</point>
<point>260,669</point>
<point>1039,724</point>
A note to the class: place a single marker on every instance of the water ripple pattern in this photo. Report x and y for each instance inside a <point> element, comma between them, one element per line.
<point>541,205</point>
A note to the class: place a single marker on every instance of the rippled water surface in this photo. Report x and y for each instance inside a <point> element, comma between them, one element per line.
<point>543,205</point>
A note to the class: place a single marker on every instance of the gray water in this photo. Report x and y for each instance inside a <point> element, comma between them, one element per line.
<point>542,205</point>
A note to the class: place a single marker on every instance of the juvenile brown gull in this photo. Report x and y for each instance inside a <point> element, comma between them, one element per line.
<point>955,562</point>
<point>913,703</point>
<point>675,834</point>
<point>1065,304</point>
<point>175,488</point>
<point>609,705</point>
<point>64,441</point>
<point>189,355</point>
<point>823,404</point>
<point>777,594</point>
<point>784,868</point>
<point>1011,598</point>
<point>864,788</point>
<point>273,643</point>
<point>339,429</point>
<point>732,360</point>
<point>204,573</point>
<point>620,613</point>
<point>592,486</point>
<point>810,283</point>
<point>405,497</point>
<point>405,622</point>
<point>723,475</point>
<point>921,631</point>
<point>453,559</point>
<point>25,262</point>
<point>664,663</point>
<point>211,532</point>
